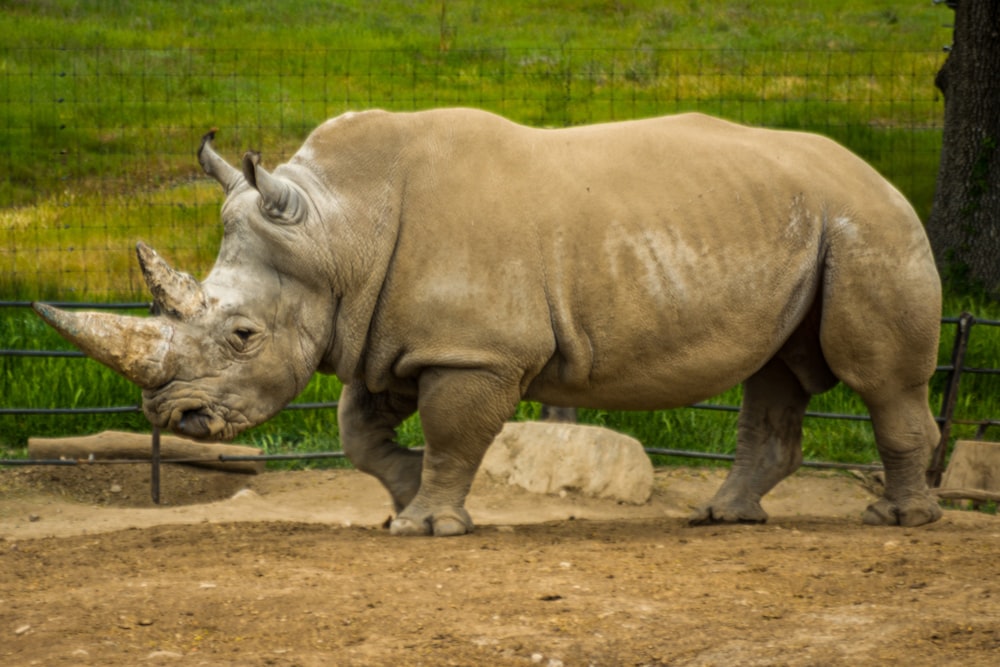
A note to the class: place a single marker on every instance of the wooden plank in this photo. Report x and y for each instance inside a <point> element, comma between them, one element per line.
<point>111,445</point>
<point>974,466</point>
<point>977,495</point>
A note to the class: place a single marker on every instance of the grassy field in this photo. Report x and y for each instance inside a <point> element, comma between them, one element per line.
<point>102,104</point>
<point>105,102</point>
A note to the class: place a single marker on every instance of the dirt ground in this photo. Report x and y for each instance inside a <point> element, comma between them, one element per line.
<point>295,568</point>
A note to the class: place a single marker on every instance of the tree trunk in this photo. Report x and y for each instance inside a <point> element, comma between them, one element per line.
<point>964,225</point>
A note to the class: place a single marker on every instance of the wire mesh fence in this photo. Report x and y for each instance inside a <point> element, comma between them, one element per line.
<point>99,143</point>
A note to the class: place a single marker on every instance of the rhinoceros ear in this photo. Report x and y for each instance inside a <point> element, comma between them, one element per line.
<point>215,166</point>
<point>175,294</point>
<point>279,201</point>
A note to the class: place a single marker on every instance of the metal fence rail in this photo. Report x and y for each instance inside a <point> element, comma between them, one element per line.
<point>946,417</point>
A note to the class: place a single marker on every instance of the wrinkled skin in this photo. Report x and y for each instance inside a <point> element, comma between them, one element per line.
<point>249,366</point>
<point>452,263</point>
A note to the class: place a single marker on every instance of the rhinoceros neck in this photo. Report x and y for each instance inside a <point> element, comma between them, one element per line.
<point>357,158</point>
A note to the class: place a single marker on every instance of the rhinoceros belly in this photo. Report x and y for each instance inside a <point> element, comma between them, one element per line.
<point>653,330</point>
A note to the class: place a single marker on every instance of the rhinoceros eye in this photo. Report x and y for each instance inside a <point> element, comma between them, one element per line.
<point>242,337</point>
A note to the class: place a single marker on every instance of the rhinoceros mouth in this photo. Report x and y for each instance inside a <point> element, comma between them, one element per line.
<point>199,424</point>
<point>205,423</point>
<point>193,417</point>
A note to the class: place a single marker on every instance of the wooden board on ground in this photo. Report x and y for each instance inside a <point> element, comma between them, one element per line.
<point>110,445</point>
<point>973,472</point>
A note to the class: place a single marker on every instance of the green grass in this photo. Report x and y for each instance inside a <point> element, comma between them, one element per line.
<point>68,228</point>
<point>468,24</point>
<point>102,103</point>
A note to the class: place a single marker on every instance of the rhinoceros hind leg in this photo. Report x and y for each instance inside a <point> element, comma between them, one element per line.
<point>367,430</point>
<point>917,512</point>
<point>768,446</point>
<point>905,432</point>
<point>880,338</point>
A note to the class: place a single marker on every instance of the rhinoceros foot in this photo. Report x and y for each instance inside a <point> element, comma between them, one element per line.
<point>912,512</point>
<point>733,512</point>
<point>441,523</point>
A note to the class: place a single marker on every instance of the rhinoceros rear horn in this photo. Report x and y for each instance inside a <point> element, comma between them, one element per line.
<point>176,294</point>
<point>215,166</point>
<point>135,347</point>
<point>278,199</point>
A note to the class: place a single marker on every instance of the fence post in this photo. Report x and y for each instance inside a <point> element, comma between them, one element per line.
<point>950,397</point>
<point>154,459</point>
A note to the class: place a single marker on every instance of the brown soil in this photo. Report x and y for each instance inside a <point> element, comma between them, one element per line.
<point>296,570</point>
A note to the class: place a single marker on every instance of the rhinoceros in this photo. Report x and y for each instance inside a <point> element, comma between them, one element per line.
<point>452,263</point>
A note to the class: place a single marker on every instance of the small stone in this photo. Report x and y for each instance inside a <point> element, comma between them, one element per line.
<point>22,630</point>
<point>164,655</point>
<point>34,517</point>
<point>116,488</point>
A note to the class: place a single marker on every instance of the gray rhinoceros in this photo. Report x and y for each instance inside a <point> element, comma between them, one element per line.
<point>452,263</point>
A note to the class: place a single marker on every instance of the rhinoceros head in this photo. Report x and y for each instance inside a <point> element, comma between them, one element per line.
<point>227,353</point>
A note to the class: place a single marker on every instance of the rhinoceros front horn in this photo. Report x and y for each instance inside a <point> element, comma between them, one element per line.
<point>176,294</point>
<point>226,174</point>
<point>279,200</point>
<point>135,347</point>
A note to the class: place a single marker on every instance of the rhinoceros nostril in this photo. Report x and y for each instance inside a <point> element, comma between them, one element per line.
<point>195,424</point>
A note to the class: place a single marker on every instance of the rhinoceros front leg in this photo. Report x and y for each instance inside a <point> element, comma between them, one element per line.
<point>367,433</point>
<point>461,412</point>
<point>768,446</point>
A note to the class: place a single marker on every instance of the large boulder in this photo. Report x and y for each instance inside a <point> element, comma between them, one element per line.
<point>554,457</point>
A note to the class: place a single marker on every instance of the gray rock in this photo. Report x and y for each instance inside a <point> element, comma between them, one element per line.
<point>554,457</point>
